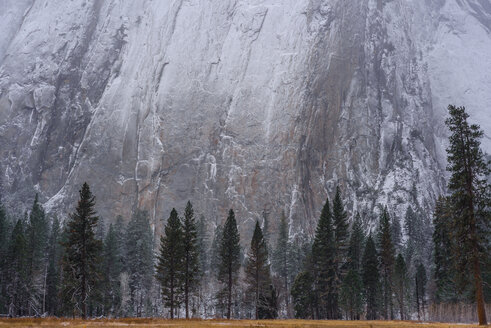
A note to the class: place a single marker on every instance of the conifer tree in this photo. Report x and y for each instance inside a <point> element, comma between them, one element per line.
<point>352,287</point>
<point>112,269</point>
<point>371,280</point>
<point>191,254</point>
<point>420,289</point>
<point>257,271</point>
<point>215,250</point>
<point>81,260</point>
<point>387,259</point>
<point>470,197</point>
<point>171,263</point>
<point>37,237</point>
<point>357,240</point>
<point>53,277</point>
<point>303,295</point>
<point>281,261</point>
<point>229,258</point>
<point>341,235</point>
<point>139,261</point>
<point>444,268</point>
<point>17,272</point>
<point>323,263</point>
<point>401,284</point>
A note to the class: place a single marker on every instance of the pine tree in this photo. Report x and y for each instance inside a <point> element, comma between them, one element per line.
<point>191,254</point>
<point>81,261</point>
<point>470,196</point>
<point>112,269</point>
<point>37,237</point>
<point>341,237</point>
<point>215,250</point>
<point>139,261</point>
<point>371,280</point>
<point>420,289</point>
<point>257,271</point>
<point>229,257</point>
<point>303,295</point>
<point>323,261</point>
<point>17,272</point>
<point>355,249</point>
<point>53,277</point>
<point>401,284</point>
<point>387,259</point>
<point>352,287</point>
<point>171,263</point>
<point>444,269</point>
<point>281,260</point>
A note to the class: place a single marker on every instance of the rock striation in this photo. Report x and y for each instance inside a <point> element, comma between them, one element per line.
<point>258,105</point>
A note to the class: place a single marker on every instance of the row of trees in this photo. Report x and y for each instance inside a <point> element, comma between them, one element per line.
<point>86,268</point>
<point>351,275</point>
<point>78,268</point>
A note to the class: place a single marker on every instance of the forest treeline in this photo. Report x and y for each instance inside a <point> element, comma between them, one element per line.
<point>83,267</point>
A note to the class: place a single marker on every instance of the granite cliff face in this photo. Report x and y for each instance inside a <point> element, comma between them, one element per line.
<point>253,104</point>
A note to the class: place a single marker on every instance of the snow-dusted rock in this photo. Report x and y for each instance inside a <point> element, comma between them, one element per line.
<point>251,104</point>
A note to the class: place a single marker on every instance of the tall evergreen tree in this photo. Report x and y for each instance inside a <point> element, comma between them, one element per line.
<point>387,259</point>
<point>215,258</point>
<point>17,272</point>
<point>229,257</point>
<point>81,261</point>
<point>356,242</point>
<point>257,271</point>
<point>471,198</point>
<point>191,254</point>
<point>171,262</point>
<point>323,263</point>
<point>37,237</point>
<point>53,277</point>
<point>352,287</point>
<point>371,280</point>
<point>401,285</point>
<point>281,261</point>
<point>112,269</point>
<point>420,289</point>
<point>444,269</point>
<point>341,234</point>
<point>139,262</point>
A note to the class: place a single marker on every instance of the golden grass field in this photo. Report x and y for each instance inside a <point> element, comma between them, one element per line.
<point>148,323</point>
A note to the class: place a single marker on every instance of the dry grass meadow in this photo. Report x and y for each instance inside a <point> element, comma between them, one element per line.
<point>147,323</point>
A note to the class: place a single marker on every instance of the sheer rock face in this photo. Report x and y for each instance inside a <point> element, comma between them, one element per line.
<point>257,105</point>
